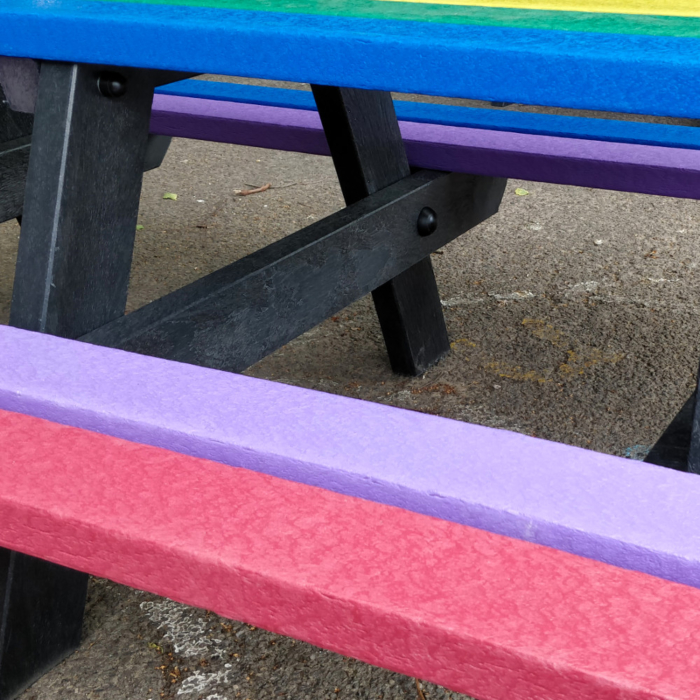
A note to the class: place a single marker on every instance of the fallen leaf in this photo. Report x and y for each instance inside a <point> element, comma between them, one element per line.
<point>169,195</point>
<point>139,227</point>
<point>521,192</point>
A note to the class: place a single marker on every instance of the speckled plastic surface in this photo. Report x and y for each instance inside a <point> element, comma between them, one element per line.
<point>634,515</point>
<point>571,161</point>
<point>19,79</point>
<point>476,612</point>
<point>450,115</point>
<point>622,72</point>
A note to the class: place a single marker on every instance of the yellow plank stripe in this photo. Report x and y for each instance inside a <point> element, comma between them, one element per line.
<point>668,8</point>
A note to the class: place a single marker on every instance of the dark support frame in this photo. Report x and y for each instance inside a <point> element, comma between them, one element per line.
<point>42,617</point>
<point>14,160</point>
<point>679,445</point>
<point>672,450</point>
<point>15,146</point>
<point>369,154</point>
<point>15,137</point>
<point>79,219</point>
<point>76,244</point>
<point>694,447</point>
<point>72,273</point>
<point>235,316</point>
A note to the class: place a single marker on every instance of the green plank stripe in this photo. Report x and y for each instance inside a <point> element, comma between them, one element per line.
<point>462,15</point>
<point>677,8</point>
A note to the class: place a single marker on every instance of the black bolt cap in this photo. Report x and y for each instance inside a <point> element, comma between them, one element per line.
<point>427,221</point>
<point>111,85</point>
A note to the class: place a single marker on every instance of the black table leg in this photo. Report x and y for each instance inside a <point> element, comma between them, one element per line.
<point>694,449</point>
<point>42,617</point>
<point>15,136</point>
<point>679,445</point>
<point>79,222</point>
<point>368,154</point>
<point>672,449</point>
<point>81,199</point>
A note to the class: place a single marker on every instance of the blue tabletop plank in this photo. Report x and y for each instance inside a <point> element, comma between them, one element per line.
<point>627,73</point>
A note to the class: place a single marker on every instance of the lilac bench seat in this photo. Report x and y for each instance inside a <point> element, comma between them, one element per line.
<point>320,552</point>
<point>599,506</point>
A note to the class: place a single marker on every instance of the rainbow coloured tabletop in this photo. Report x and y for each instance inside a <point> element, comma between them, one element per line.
<point>619,55</point>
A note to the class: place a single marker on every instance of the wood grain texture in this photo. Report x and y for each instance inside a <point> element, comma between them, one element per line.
<point>594,505</point>
<point>473,611</point>
<point>617,72</point>
<point>673,172</point>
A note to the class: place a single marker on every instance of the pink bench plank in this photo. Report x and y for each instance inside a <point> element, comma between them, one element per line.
<point>634,515</point>
<point>476,612</point>
<point>673,172</point>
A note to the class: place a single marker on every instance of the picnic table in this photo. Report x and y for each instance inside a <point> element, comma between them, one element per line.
<point>100,63</point>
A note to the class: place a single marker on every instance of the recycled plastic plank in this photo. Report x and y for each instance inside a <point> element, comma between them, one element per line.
<point>681,8</point>
<point>630,514</point>
<point>625,167</point>
<point>492,119</point>
<point>640,57</point>
<point>476,612</point>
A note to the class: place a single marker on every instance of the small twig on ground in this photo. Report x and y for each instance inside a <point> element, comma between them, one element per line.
<point>272,187</point>
<point>245,193</point>
<point>421,695</point>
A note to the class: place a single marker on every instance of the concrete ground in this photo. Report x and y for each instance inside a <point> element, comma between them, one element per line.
<point>573,316</point>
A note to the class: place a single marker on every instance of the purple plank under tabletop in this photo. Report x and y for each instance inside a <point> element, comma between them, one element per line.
<point>626,167</point>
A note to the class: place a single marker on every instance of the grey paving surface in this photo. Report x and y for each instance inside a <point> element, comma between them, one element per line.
<point>573,315</point>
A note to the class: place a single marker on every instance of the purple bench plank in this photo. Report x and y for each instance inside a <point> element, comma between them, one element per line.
<point>673,172</point>
<point>633,515</point>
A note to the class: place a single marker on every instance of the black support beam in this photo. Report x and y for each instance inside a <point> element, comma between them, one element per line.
<point>14,161</point>
<point>41,618</point>
<point>368,154</point>
<point>672,449</point>
<point>15,136</point>
<point>235,316</point>
<point>81,200</point>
